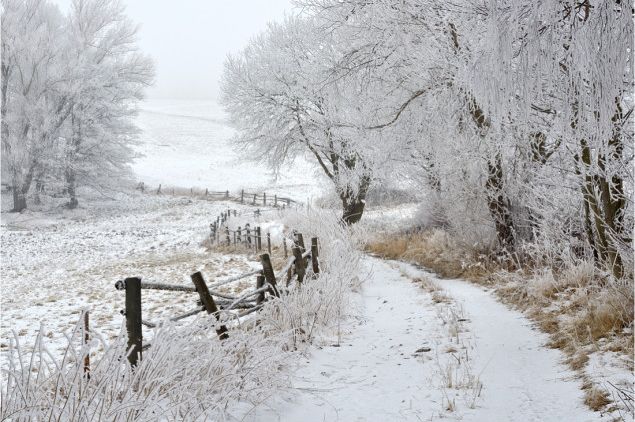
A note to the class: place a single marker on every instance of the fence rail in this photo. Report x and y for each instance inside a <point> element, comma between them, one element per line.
<point>215,303</point>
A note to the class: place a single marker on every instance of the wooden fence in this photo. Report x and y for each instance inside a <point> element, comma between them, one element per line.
<point>268,286</point>
<point>243,197</point>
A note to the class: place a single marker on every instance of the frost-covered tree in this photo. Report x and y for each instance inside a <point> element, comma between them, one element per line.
<point>111,76</point>
<point>282,101</point>
<point>35,102</point>
<point>69,88</point>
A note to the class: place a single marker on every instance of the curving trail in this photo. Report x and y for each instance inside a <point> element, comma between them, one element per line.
<point>412,357</point>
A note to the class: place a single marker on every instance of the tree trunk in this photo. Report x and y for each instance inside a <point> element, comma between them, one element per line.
<point>70,188</point>
<point>498,205</point>
<point>19,199</point>
<point>353,203</point>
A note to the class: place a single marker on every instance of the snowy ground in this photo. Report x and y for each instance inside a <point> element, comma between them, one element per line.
<point>56,263</point>
<point>418,354</point>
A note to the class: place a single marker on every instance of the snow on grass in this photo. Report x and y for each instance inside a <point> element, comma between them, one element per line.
<point>57,263</point>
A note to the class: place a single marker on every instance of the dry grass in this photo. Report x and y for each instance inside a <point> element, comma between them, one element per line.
<point>580,309</point>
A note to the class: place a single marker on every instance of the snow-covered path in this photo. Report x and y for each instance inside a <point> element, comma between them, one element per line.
<point>411,358</point>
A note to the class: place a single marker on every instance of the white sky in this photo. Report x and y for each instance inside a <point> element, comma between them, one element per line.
<point>189,39</point>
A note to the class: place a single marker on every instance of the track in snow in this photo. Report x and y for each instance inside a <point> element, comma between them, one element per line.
<point>375,374</point>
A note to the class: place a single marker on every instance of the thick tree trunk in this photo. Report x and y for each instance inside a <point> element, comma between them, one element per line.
<point>353,203</point>
<point>19,199</point>
<point>70,188</point>
<point>498,205</point>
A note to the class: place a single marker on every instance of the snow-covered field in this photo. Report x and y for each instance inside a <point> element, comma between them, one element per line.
<point>188,144</point>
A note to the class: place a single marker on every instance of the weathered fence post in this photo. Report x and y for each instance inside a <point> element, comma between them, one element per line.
<point>269,243</point>
<point>258,239</point>
<point>133,319</point>
<point>299,263</point>
<point>191,191</point>
<point>275,200</point>
<point>260,282</point>
<point>234,213</point>
<point>227,235</point>
<point>314,255</point>
<point>234,238</point>
<point>254,199</point>
<point>208,302</point>
<point>299,240</point>
<point>86,347</point>
<point>212,229</point>
<point>238,235</point>
<point>270,276</point>
<point>226,194</point>
<point>242,196</point>
<point>284,245</point>
<point>288,202</point>
<point>264,198</point>
<point>159,189</point>
<point>206,191</point>
<point>248,234</point>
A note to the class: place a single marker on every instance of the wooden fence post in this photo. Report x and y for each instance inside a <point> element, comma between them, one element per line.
<point>254,199</point>
<point>238,237</point>
<point>226,194</point>
<point>248,234</point>
<point>234,213</point>
<point>234,238</point>
<point>299,263</point>
<point>284,245</point>
<point>270,276</point>
<point>206,191</point>
<point>87,349</point>
<point>242,196</point>
<point>269,243</point>
<point>159,190</point>
<point>211,233</point>
<point>314,255</point>
<point>299,240</point>
<point>191,191</point>
<point>288,202</point>
<point>260,282</point>
<point>227,235</point>
<point>208,302</point>
<point>133,319</point>
<point>258,239</point>
<point>275,200</point>
<point>264,198</point>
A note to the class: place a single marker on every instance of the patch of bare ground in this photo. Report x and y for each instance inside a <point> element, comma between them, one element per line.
<point>581,309</point>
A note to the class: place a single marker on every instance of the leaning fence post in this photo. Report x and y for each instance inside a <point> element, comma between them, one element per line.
<point>300,241</point>
<point>86,347</point>
<point>269,243</point>
<point>314,255</point>
<point>299,263</point>
<point>267,270</point>
<point>133,319</point>
<point>208,302</point>
<point>260,282</point>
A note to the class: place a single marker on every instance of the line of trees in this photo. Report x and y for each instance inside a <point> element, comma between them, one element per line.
<point>70,85</point>
<point>517,116</point>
